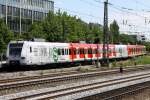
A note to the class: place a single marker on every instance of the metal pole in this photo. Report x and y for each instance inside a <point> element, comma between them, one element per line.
<point>63,25</point>
<point>6,12</point>
<point>20,18</point>
<point>105,36</point>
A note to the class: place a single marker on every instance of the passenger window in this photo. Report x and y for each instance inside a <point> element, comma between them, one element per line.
<point>63,52</point>
<point>69,51</point>
<point>74,51</point>
<point>81,51</point>
<point>89,51</point>
<point>30,49</point>
<point>59,52</point>
<point>85,51</point>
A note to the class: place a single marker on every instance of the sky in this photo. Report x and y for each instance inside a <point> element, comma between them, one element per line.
<point>133,16</point>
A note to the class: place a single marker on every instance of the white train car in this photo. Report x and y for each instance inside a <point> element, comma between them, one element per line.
<point>37,53</point>
<point>121,51</point>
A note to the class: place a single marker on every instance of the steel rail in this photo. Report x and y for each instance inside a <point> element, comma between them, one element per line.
<point>68,73</point>
<point>83,88</point>
<point>38,81</point>
<point>126,93</point>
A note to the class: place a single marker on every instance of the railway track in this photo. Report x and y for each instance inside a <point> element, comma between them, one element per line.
<point>111,71</point>
<point>19,83</point>
<point>132,91</point>
<point>65,92</point>
<point>121,93</point>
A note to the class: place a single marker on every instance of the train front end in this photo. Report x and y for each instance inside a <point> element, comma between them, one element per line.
<point>14,52</point>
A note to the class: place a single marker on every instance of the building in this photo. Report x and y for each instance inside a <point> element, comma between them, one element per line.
<point>20,14</point>
<point>141,38</point>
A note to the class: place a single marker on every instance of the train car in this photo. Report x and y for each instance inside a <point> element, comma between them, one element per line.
<point>121,51</point>
<point>37,53</point>
<point>136,50</point>
<point>43,53</point>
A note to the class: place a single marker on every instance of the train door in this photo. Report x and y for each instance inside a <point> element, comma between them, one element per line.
<point>86,53</point>
<point>35,55</point>
<point>30,55</point>
<point>61,55</point>
<point>43,55</point>
<point>73,52</point>
<point>40,55</point>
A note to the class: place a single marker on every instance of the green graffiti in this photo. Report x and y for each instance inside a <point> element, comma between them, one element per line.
<point>55,54</point>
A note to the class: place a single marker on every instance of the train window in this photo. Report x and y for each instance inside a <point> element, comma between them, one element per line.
<point>110,51</point>
<point>74,50</point>
<point>50,51</point>
<point>90,51</point>
<point>44,52</point>
<point>63,53</point>
<point>81,51</point>
<point>15,51</point>
<point>95,51</point>
<point>66,50</point>
<point>120,50</point>
<point>132,50</point>
<point>66,53</point>
<point>77,51</point>
<point>16,45</point>
<point>59,52</point>
<point>30,49</point>
<point>69,51</point>
<point>100,51</point>
<point>85,51</point>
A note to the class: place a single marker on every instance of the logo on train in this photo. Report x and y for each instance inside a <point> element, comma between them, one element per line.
<point>55,54</point>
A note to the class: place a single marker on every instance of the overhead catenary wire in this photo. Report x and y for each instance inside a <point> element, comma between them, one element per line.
<point>117,8</point>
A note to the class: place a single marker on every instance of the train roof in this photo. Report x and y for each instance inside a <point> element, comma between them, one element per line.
<point>74,44</point>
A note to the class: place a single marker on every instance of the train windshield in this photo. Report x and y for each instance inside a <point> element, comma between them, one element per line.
<point>15,49</point>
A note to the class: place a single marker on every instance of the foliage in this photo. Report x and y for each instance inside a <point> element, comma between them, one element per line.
<point>117,38</point>
<point>114,33</point>
<point>127,39</point>
<point>143,60</point>
<point>147,44</point>
<point>5,36</point>
<point>61,27</point>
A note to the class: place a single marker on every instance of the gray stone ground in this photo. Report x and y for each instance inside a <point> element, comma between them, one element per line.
<point>145,95</point>
<point>11,75</point>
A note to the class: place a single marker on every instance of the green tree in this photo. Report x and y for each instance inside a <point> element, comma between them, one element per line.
<point>62,27</point>
<point>5,36</point>
<point>52,27</point>
<point>114,32</point>
<point>2,44</point>
<point>127,39</point>
<point>36,31</point>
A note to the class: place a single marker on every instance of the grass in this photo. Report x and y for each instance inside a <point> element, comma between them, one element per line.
<point>131,62</point>
<point>143,60</point>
